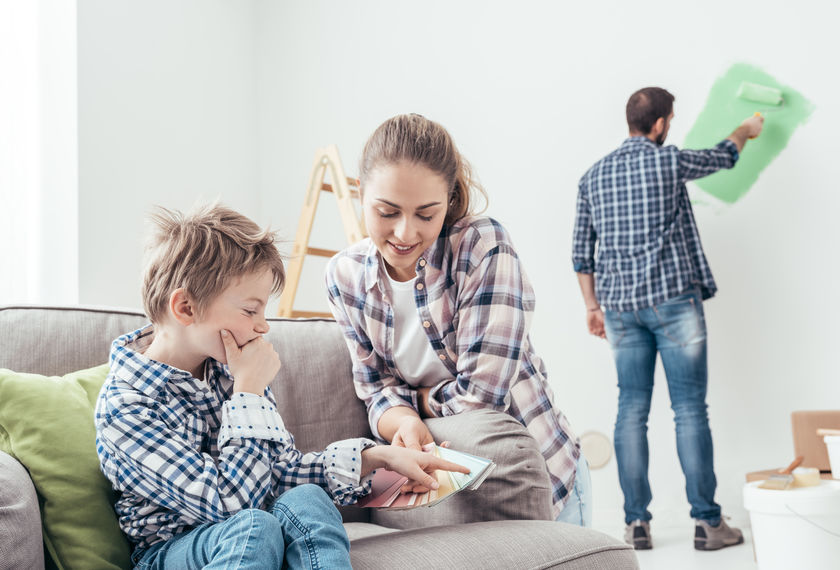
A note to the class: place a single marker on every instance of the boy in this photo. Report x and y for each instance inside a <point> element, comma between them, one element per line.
<point>187,428</point>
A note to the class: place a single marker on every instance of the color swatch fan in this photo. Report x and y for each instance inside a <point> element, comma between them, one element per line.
<point>385,491</point>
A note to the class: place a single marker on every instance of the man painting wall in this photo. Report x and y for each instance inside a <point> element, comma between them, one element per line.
<point>644,276</point>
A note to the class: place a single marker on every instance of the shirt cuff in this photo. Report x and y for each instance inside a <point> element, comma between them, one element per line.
<point>250,416</point>
<point>584,266</point>
<point>730,147</point>
<point>343,469</point>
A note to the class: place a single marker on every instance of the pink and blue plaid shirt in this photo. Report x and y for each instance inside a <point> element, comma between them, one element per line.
<point>475,303</point>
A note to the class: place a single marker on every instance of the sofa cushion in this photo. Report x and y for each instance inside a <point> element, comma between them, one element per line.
<point>46,423</point>
<point>525,545</point>
<point>20,524</point>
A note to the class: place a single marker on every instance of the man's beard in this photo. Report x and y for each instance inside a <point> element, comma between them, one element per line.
<point>660,140</point>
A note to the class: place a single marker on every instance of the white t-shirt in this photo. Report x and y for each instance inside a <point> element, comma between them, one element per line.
<point>413,354</point>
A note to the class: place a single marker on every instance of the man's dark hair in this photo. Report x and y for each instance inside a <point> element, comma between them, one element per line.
<point>645,106</point>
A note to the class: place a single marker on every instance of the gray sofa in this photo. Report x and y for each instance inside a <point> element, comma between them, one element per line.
<point>504,524</point>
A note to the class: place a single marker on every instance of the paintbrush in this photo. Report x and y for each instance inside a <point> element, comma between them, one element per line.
<point>784,478</point>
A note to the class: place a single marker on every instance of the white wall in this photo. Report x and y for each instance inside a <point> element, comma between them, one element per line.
<point>167,115</point>
<point>38,152</point>
<point>533,93</point>
<point>179,101</point>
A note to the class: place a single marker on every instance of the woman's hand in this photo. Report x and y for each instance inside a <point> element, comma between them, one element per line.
<point>418,466</point>
<point>412,433</point>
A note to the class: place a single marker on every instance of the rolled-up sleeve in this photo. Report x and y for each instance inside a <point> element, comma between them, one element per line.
<point>694,164</point>
<point>584,237</point>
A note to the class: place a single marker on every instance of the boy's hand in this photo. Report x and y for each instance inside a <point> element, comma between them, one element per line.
<point>253,366</point>
<point>418,466</point>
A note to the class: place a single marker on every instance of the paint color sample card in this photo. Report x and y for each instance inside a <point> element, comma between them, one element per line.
<point>725,110</point>
<point>385,489</point>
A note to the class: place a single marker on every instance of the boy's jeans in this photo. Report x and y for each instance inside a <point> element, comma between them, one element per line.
<point>677,329</point>
<point>303,530</point>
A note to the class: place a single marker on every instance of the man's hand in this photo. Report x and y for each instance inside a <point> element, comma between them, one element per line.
<point>253,366</point>
<point>749,129</point>
<point>595,322</point>
<point>418,466</point>
<point>412,433</point>
<point>753,125</point>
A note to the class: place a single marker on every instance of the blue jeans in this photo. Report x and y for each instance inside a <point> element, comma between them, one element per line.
<point>677,329</point>
<point>578,508</point>
<point>303,530</point>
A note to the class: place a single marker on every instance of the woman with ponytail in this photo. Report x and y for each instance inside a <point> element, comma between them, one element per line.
<point>435,306</point>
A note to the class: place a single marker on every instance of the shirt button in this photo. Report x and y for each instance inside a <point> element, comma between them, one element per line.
<point>427,324</point>
<point>443,357</point>
<point>419,286</point>
<point>422,263</point>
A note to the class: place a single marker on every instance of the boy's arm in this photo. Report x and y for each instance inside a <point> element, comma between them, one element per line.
<point>141,454</point>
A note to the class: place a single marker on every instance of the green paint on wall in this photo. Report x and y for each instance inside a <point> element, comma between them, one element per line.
<point>724,111</point>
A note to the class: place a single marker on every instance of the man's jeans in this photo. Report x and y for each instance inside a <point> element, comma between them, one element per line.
<point>303,530</point>
<point>677,329</point>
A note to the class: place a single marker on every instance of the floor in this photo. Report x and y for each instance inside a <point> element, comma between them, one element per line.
<point>673,547</point>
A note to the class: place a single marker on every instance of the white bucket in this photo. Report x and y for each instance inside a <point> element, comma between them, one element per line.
<point>795,528</point>
<point>832,443</point>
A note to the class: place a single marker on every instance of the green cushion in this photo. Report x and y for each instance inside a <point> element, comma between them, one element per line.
<point>46,423</point>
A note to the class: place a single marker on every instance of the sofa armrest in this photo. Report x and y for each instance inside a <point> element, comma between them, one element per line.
<point>518,488</point>
<point>21,542</point>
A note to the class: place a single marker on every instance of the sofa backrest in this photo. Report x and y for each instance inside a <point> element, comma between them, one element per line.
<point>314,388</point>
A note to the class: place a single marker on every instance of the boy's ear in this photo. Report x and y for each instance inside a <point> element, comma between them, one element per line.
<point>181,307</point>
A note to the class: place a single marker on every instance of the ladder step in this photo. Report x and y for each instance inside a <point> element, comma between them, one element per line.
<point>328,188</point>
<point>320,252</point>
<point>311,315</point>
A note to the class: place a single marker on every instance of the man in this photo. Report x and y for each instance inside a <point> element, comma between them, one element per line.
<point>644,294</point>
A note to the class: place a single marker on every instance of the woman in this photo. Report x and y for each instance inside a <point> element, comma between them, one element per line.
<point>435,307</point>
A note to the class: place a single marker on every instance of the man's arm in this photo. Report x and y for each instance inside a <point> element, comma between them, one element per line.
<point>749,129</point>
<point>594,314</point>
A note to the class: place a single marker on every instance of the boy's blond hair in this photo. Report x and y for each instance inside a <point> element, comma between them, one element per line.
<point>204,252</point>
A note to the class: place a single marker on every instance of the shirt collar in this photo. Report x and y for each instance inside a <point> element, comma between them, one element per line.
<point>637,140</point>
<point>151,376</point>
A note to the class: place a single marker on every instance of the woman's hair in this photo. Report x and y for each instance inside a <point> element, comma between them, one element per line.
<point>204,252</point>
<point>417,140</point>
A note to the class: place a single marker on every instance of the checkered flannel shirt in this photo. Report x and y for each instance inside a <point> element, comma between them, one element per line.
<point>476,304</point>
<point>635,205</point>
<point>183,451</point>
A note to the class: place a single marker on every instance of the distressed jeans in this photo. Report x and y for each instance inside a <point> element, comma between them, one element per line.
<point>677,330</point>
<point>303,530</point>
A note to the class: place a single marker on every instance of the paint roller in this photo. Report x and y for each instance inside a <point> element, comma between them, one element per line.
<point>761,94</point>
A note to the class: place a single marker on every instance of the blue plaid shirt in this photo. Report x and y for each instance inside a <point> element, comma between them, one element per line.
<point>634,204</point>
<point>475,303</point>
<point>183,451</point>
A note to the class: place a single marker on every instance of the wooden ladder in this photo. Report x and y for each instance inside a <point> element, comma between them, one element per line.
<point>345,190</point>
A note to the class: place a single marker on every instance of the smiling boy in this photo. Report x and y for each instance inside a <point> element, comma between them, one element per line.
<point>187,428</point>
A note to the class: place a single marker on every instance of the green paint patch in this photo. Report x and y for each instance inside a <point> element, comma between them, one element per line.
<point>724,111</point>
